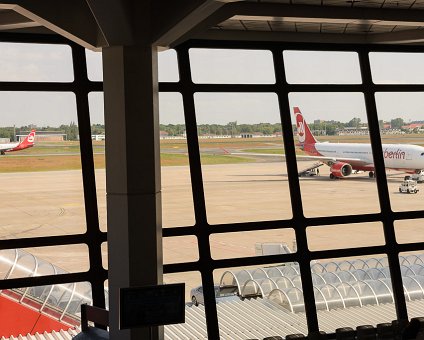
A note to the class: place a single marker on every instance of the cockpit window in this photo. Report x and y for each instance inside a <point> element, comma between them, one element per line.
<point>422,154</point>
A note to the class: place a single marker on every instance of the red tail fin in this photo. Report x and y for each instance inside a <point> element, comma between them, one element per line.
<point>304,135</point>
<point>26,143</point>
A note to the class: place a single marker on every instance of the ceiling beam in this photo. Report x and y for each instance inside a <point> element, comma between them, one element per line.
<point>71,19</point>
<point>276,11</point>
<point>413,36</point>
<point>235,35</point>
<point>114,20</point>
<point>10,20</point>
<point>176,23</point>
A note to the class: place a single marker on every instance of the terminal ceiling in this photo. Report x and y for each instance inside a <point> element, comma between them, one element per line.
<point>100,23</point>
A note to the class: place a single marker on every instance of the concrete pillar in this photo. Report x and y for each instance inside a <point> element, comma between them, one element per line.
<point>133,177</point>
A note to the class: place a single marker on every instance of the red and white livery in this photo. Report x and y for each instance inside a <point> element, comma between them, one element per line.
<point>28,142</point>
<point>346,158</point>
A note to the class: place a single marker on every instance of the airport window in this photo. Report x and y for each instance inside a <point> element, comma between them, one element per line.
<point>329,232</point>
<point>98,137</point>
<point>231,66</point>
<point>345,236</point>
<point>41,201</point>
<point>400,114</point>
<point>412,265</point>
<point>168,66</point>
<point>180,249</point>
<point>236,131</point>
<point>341,285</point>
<point>394,68</point>
<point>409,231</point>
<point>252,243</point>
<point>322,67</point>
<point>332,117</point>
<point>35,62</point>
<point>177,198</point>
<point>305,287</point>
<point>55,197</point>
<point>94,65</point>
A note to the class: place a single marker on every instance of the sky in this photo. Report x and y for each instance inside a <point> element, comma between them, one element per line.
<point>38,62</point>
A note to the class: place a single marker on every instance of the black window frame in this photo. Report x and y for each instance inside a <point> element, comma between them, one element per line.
<point>202,229</point>
<point>94,237</point>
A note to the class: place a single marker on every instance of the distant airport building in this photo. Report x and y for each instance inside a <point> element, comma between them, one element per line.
<point>416,127</point>
<point>363,130</point>
<point>44,136</point>
<point>98,137</point>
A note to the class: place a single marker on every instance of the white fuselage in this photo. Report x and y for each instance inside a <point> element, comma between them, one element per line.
<point>8,146</point>
<point>396,156</point>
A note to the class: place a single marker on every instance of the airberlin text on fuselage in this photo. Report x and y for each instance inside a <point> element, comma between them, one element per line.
<point>398,154</point>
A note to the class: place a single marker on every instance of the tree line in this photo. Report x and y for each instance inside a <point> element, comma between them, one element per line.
<point>71,131</point>
<point>235,129</point>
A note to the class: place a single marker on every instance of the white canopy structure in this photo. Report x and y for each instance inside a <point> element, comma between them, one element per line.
<point>59,301</point>
<point>337,284</point>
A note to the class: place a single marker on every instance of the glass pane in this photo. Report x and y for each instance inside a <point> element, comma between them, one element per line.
<point>168,66</point>
<point>345,236</point>
<point>397,68</point>
<point>43,308</point>
<point>322,67</point>
<point>252,243</point>
<point>353,291</point>
<point>412,266</point>
<point>42,184</point>
<point>192,282</point>
<point>334,156</point>
<point>105,262</point>
<point>195,323</point>
<point>244,173</point>
<point>41,261</point>
<point>177,199</point>
<point>94,65</point>
<point>36,62</point>
<point>180,249</point>
<point>230,66</point>
<point>98,136</point>
<point>272,301</point>
<point>409,231</point>
<point>400,115</point>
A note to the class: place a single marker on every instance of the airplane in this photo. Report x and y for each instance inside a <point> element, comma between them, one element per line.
<point>28,142</point>
<point>347,158</point>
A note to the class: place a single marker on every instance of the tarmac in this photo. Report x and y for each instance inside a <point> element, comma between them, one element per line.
<point>51,203</point>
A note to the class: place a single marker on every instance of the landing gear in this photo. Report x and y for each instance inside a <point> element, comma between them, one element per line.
<point>371,174</point>
<point>3,153</point>
<point>332,176</point>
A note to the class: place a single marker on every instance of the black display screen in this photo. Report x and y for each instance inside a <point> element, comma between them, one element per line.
<point>152,305</point>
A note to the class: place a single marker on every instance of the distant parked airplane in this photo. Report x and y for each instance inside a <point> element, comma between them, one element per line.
<point>343,158</point>
<point>28,142</point>
<point>347,158</point>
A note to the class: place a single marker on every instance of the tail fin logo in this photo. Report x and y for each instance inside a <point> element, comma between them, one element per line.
<point>304,134</point>
<point>31,137</point>
<point>301,131</point>
<point>300,128</point>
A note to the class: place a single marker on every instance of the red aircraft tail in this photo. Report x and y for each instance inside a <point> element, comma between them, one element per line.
<point>304,134</point>
<point>26,143</point>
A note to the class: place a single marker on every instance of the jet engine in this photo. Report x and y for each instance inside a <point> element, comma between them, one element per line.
<point>340,169</point>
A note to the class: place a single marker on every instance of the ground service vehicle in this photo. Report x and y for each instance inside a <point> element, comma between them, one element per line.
<point>408,186</point>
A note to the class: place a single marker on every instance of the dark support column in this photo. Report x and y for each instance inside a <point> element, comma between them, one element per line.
<point>133,177</point>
